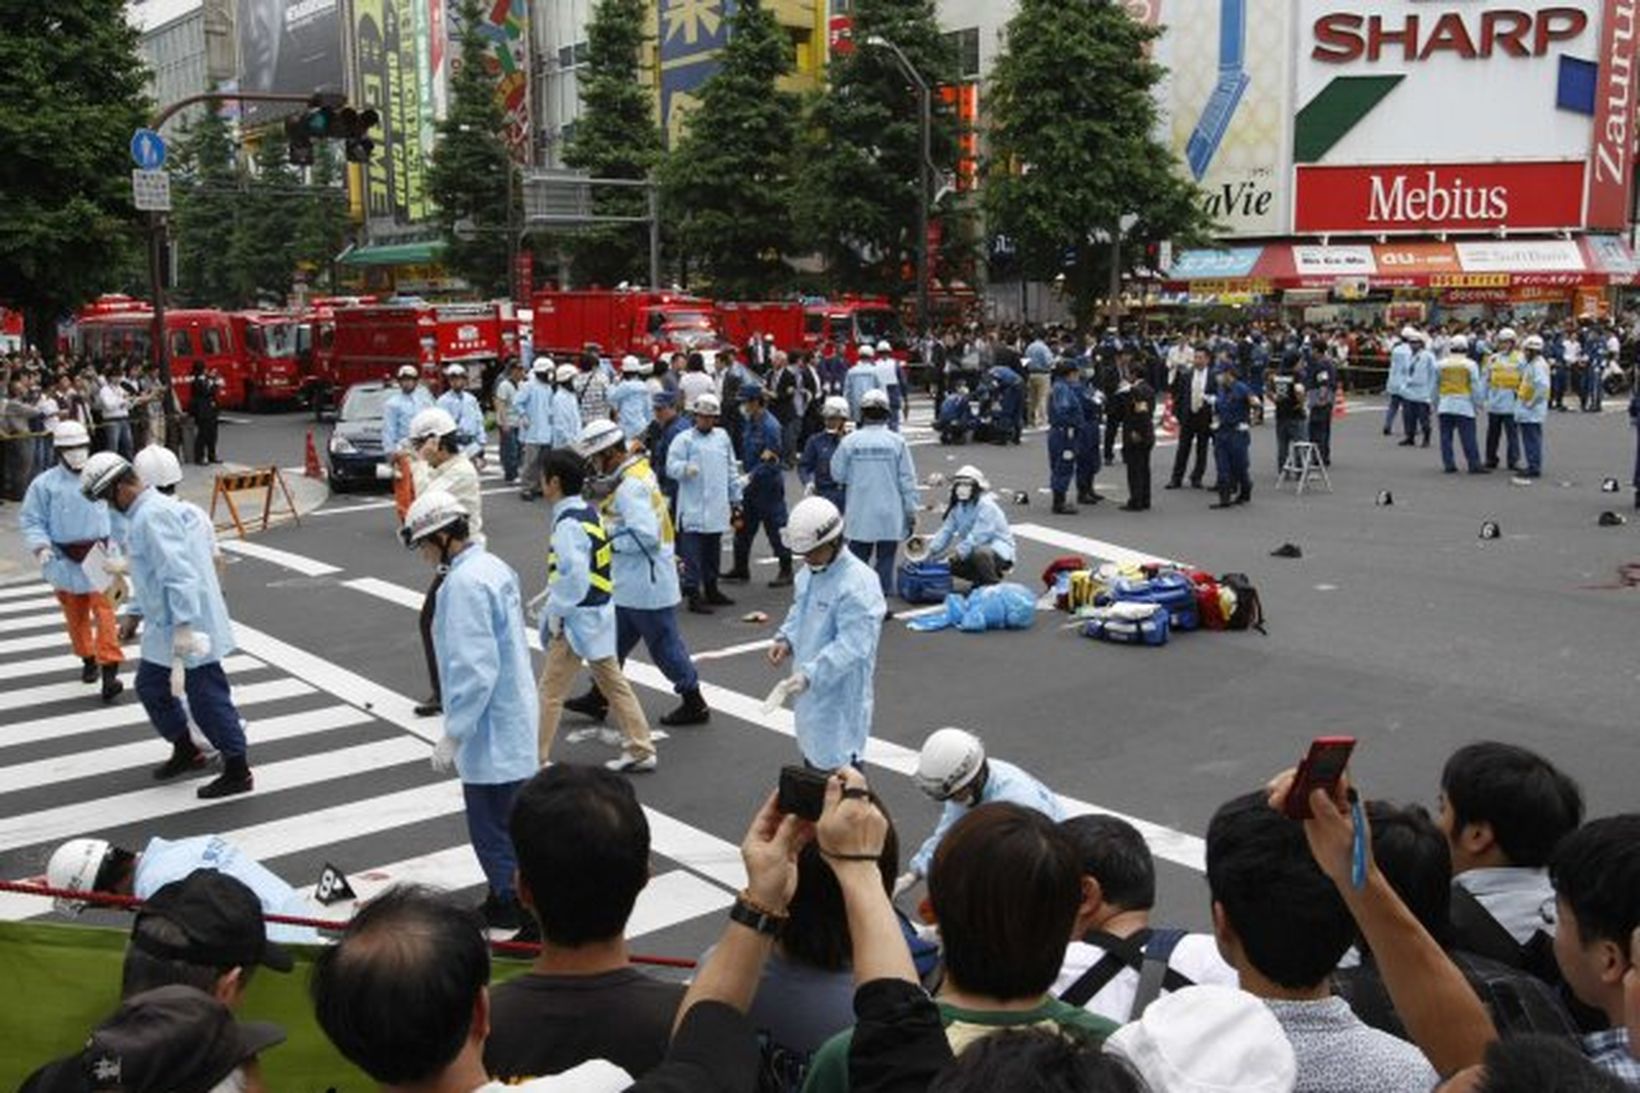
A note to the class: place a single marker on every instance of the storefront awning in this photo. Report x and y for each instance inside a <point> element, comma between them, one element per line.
<point>424,253</point>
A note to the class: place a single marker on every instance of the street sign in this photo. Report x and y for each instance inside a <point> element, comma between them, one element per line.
<point>151,191</point>
<point>147,149</point>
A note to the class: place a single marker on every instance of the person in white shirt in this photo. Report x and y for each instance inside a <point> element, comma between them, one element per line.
<point>114,403</point>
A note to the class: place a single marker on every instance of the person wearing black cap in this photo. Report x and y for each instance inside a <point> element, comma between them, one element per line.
<point>169,1040</point>
<point>204,931</point>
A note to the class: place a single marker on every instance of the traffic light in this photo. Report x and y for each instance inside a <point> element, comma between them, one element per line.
<point>353,127</point>
<point>327,117</point>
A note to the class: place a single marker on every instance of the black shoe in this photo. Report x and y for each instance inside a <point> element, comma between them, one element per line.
<point>592,705</point>
<point>1223,502</point>
<point>1386,432</point>
<point>234,780</point>
<point>1061,507</point>
<point>1492,465</point>
<point>1131,507</point>
<point>1244,499</point>
<point>111,685</point>
<point>1449,470</point>
<point>736,576</point>
<point>499,914</point>
<point>718,599</point>
<point>1406,444</point>
<point>1480,470</point>
<point>88,669</point>
<point>1174,486</point>
<point>783,579</point>
<point>698,606</point>
<point>185,759</point>
<point>693,711</point>
<point>1195,483</point>
<point>1089,498</point>
<point>429,707</point>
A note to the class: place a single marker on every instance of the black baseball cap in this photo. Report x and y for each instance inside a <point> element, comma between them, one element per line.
<point>172,1039</point>
<point>222,918</point>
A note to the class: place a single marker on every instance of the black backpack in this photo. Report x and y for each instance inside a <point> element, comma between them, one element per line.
<point>1249,612</point>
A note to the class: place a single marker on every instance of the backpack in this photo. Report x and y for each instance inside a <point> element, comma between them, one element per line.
<point>1249,612</point>
<point>1210,600</point>
<point>1146,952</point>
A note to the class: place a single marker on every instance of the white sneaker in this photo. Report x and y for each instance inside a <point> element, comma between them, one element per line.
<point>629,763</point>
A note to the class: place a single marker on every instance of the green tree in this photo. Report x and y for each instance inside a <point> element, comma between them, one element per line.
<point>468,181</point>
<point>858,201</point>
<point>71,94</point>
<point>1072,152</point>
<point>264,238</point>
<point>615,137</point>
<point>322,224</point>
<point>728,184</point>
<point>205,190</point>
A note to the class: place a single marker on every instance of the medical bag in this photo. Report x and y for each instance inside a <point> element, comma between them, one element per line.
<point>1168,589</point>
<point>1128,624</point>
<point>924,582</point>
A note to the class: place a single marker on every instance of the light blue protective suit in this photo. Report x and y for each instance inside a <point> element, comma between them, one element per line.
<point>469,418</point>
<point>1006,783</point>
<point>833,627</point>
<point>398,411</point>
<point>632,401</point>
<point>164,861</point>
<point>857,381</point>
<point>533,405</point>
<point>704,496</point>
<point>874,467</point>
<point>646,562</point>
<point>173,580</point>
<point>590,629</point>
<point>973,524</point>
<point>54,511</point>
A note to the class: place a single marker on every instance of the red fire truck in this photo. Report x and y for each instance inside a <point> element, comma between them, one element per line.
<point>253,351</point>
<point>647,324</point>
<point>739,323</point>
<point>374,341</point>
<point>316,345</point>
<point>853,321</point>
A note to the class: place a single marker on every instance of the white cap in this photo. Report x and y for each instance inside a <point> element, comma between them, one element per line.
<point>834,406</point>
<point>566,373</point>
<point>431,422</point>
<point>158,466</point>
<point>1533,341</point>
<point>814,521</point>
<point>1458,344</point>
<point>455,370</point>
<point>409,372</point>
<point>631,364</point>
<point>543,365</point>
<point>867,352</point>
<point>100,473</point>
<point>973,474</point>
<point>709,405</point>
<point>74,867</point>
<point>1409,334</point>
<point>949,760</point>
<point>1208,1039</point>
<point>876,397</point>
<point>598,436</point>
<point>1507,334</point>
<point>432,511</point>
<point>884,347</point>
<point>70,434</point>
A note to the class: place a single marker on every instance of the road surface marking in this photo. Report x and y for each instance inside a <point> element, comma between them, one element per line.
<point>305,566</point>
<point>64,692</point>
<point>44,603</point>
<point>39,620</point>
<point>1081,544</point>
<point>77,722</point>
<point>24,588</point>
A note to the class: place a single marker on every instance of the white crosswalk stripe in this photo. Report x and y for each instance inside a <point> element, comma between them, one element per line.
<point>58,692</point>
<point>24,588</point>
<point>42,619</point>
<point>14,607</point>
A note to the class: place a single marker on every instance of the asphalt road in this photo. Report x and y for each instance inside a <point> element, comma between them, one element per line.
<point>1398,625</point>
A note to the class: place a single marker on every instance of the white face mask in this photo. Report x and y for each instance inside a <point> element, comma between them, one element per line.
<point>964,491</point>
<point>74,458</point>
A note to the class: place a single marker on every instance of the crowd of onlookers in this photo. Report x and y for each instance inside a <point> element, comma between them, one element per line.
<point>1372,947</point>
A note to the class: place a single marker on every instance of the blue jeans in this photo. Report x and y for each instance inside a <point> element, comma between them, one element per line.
<point>702,556</point>
<point>885,549</point>
<point>1531,438</point>
<point>488,808</point>
<point>1502,425</point>
<point>1395,404</point>
<point>1465,427</point>
<point>117,436</point>
<point>512,454</point>
<point>658,630</point>
<point>209,699</point>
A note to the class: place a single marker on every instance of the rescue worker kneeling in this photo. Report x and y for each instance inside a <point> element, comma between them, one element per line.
<point>975,532</point>
<point>579,621</point>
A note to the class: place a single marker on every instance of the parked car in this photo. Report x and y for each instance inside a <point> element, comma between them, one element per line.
<point>355,445</point>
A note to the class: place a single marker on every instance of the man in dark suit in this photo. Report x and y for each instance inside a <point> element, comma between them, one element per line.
<point>1138,437</point>
<point>1191,391</point>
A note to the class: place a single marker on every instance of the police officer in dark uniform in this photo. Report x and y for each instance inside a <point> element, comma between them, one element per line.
<point>1137,405</point>
<point>1232,439</point>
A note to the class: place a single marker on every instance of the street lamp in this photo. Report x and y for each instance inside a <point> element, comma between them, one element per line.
<point>925,171</point>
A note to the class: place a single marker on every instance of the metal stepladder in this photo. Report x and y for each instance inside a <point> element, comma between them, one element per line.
<point>1304,465</point>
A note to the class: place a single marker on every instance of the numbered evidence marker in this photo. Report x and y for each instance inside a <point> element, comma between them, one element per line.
<point>332,887</point>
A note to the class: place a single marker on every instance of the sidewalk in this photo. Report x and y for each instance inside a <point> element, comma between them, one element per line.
<point>197,485</point>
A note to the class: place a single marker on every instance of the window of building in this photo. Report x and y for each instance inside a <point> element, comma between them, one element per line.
<point>966,45</point>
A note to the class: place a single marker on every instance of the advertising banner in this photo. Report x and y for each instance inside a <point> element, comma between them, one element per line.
<point>1416,259</point>
<point>292,46</point>
<point>385,36</point>
<point>1333,261</point>
<point>1225,107</point>
<point>505,28</point>
<point>1439,197</point>
<point>1506,256</point>
<point>691,34</point>
<point>1193,265</point>
<point>1611,162</point>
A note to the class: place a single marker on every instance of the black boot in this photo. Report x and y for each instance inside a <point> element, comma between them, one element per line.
<point>1224,501</point>
<point>742,571</point>
<point>185,758</point>
<point>234,780</point>
<point>1061,507</point>
<point>111,685</point>
<point>698,606</point>
<point>592,704</point>
<point>716,598</point>
<point>1088,497</point>
<point>88,669</point>
<point>783,579</point>
<point>1245,496</point>
<point>693,711</point>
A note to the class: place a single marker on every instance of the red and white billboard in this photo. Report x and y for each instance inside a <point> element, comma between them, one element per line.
<point>1611,161</point>
<point>1428,198</point>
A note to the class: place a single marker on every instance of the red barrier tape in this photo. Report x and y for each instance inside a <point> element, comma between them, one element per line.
<point>132,903</point>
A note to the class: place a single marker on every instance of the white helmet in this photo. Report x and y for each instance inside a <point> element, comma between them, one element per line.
<point>1418,336</point>
<point>950,760</point>
<point>455,370</point>
<point>100,473</point>
<point>543,366</point>
<point>631,366</point>
<point>834,406</point>
<point>409,372</point>
<point>566,373</point>
<point>708,405</point>
<point>814,522</point>
<point>599,436</point>
<point>1458,344</point>
<point>158,466</point>
<point>70,434</point>
<point>1533,341</point>
<point>431,422</point>
<point>74,867</point>
<point>866,352</point>
<point>875,398</point>
<point>1507,334</point>
<point>432,511</point>
<point>884,347</point>
<point>972,474</point>
<point>1408,334</point>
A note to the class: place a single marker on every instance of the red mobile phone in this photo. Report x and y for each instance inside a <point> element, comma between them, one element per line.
<point>1321,769</point>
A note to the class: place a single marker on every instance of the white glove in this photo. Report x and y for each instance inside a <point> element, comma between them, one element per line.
<point>903,883</point>
<point>45,556</point>
<point>793,685</point>
<point>186,642</point>
<point>444,755</point>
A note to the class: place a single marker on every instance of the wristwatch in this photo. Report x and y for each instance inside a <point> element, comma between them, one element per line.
<point>755,918</point>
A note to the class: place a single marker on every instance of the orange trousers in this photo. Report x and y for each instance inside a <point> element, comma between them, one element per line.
<point>91,626</point>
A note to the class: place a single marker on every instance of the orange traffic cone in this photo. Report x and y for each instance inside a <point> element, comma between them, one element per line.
<point>311,467</point>
<point>1339,409</point>
<point>404,484</point>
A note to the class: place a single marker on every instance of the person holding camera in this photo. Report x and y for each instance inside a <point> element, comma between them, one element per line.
<point>440,464</point>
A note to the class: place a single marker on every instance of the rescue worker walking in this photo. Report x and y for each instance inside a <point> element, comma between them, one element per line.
<point>61,528</point>
<point>441,463</point>
<point>953,769</point>
<point>888,374</point>
<point>975,532</point>
<point>537,427</point>
<point>1137,400</point>
<point>401,407</point>
<point>185,626</point>
<point>644,570</point>
<point>1418,390</point>
<point>1233,438</point>
<point>1400,366</point>
<point>874,466</point>
<point>702,462</point>
<point>1460,393</point>
<point>630,399</point>
<point>463,408</point>
<point>1532,404</point>
<point>861,378</point>
<point>484,665</point>
<point>829,638</point>
<point>814,467</point>
<point>762,458</point>
<point>1066,420</point>
<point>1501,381</point>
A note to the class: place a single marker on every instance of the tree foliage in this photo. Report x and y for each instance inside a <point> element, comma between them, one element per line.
<point>264,238</point>
<point>728,184</point>
<point>858,201</point>
<point>616,136</point>
<point>205,191</point>
<point>1072,150</point>
<point>468,181</point>
<point>322,221</point>
<point>71,94</point>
